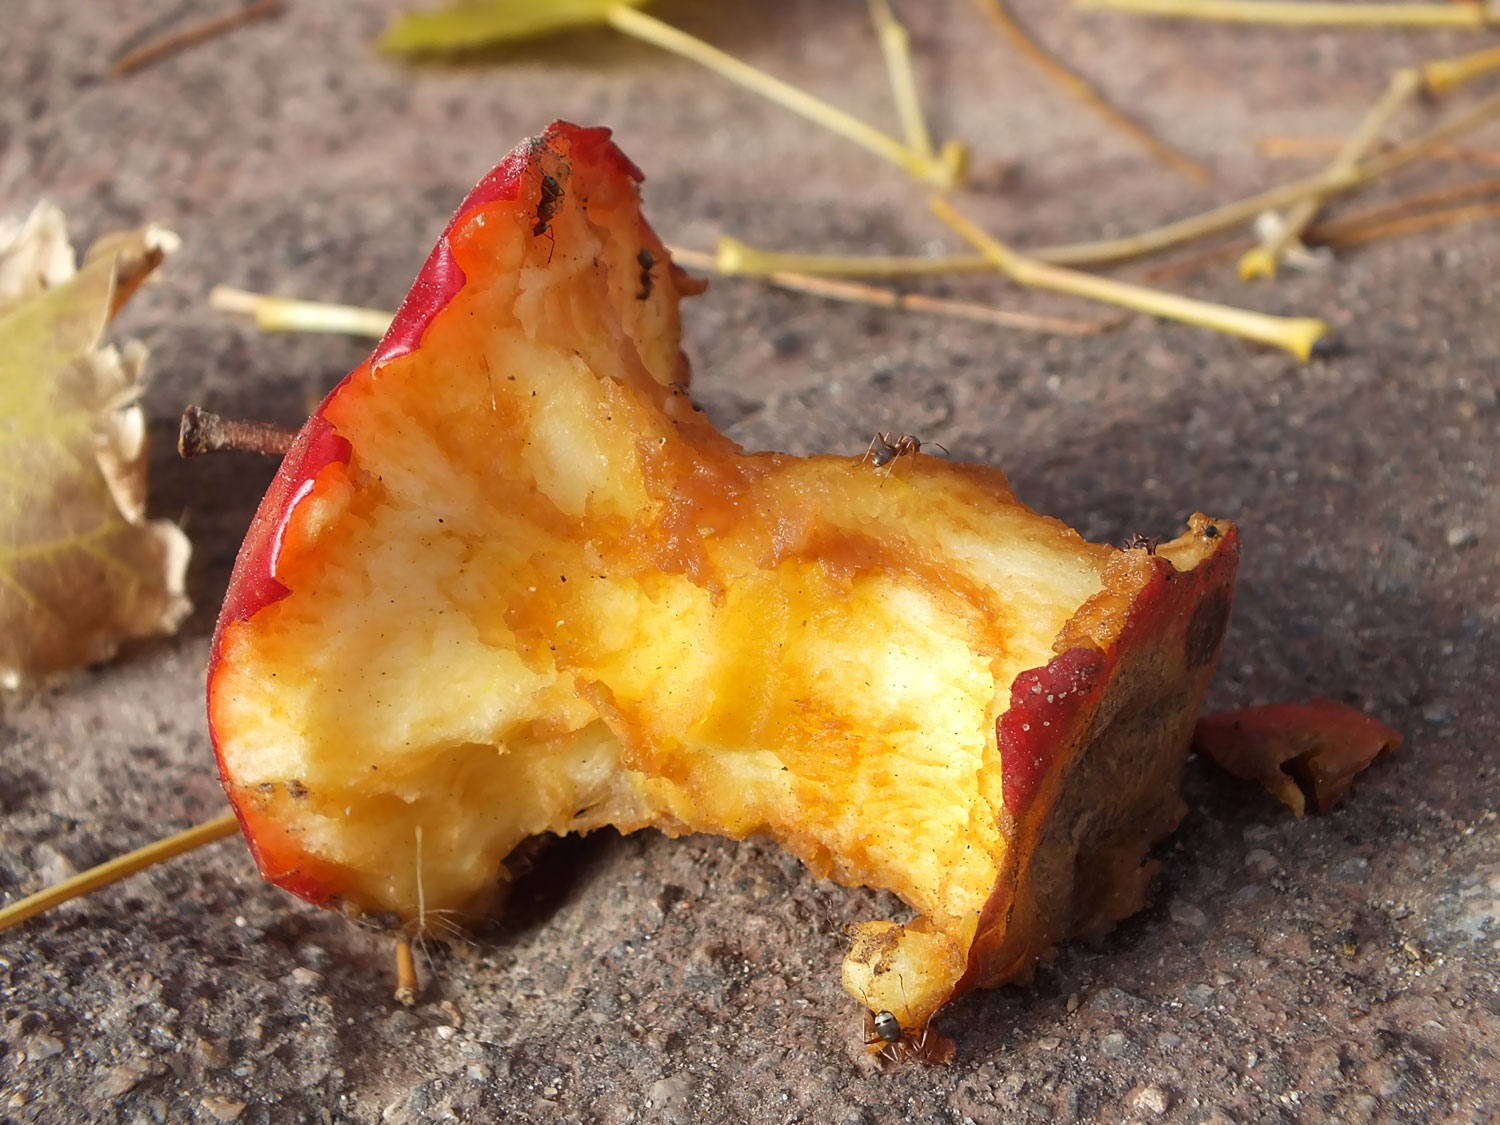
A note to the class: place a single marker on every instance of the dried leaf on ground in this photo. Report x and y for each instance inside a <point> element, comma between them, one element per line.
<point>1297,750</point>
<point>81,568</point>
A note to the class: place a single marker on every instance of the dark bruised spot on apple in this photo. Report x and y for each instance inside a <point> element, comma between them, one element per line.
<point>1206,629</point>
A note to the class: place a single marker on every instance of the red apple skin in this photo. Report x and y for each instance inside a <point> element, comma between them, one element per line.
<point>253,584</point>
<point>1297,750</point>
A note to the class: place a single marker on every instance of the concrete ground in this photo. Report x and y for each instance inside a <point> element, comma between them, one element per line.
<point>1336,968</point>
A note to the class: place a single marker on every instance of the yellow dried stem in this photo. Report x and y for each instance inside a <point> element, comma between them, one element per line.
<point>1262,262</point>
<point>1294,334</point>
<point>285,314</point>
<point>1442,75</point>
<point>1292,12</point>
<point>895,45</point>
<point>734,258</point>
<point>668,38</point>
<point>117,869</point>
<point>1081,90</point>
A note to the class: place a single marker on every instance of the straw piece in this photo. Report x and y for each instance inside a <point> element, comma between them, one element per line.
<point>737,259</point>
<point>895,45</point>
<point>1308,14</point>
<point>286,314</point>
<point>117,869</point>
<point>668,38</point>
<point>1296,335</point>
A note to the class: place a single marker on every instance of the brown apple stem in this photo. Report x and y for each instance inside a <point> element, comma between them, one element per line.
<point>406,975</point>
<point>203,431</point>
<point>191,36</point>
<point>1083,91</point>
<point>116,869</point>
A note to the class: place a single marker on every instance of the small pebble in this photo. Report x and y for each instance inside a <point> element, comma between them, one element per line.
<point>1258,859</point>
<point>1151,1099</point>
<point>1049,1043</point>
<point>1187,915</point>
<point>211,1053</point>
<point>1114,1044</point>
<point>1438,714</point>
<point>305,978</point>
<point>479,1072</point>
<point>42,1046</point>
<point>225,1109</point>
<point>119,1080</point>
<point>1460,537</point>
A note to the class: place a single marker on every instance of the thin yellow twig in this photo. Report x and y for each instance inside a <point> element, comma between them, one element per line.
<point>1263,261</point>
<point>734,258</point>
<point>117,869</point>
<point>1296,335</point>
<point>895,45</point>
<point>664,35</point>
<point>1308,14</point>
<point>856,293</point>
<point>1081,90</point>
<point>1442,75</point>
<point>286,314</point>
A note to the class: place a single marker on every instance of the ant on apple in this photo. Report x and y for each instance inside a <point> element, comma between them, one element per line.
<point>1139,540</point>
<point>546,208</point>
<point>552,193</point>
<point>889,1042</point>
<point>646,260</point>
<point>885,450</point>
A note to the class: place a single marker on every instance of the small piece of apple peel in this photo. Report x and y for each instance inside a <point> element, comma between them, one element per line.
<point>1297,751</point>
<point>509,581</point>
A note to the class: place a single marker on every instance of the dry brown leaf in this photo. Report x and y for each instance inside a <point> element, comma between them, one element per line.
<point>81,568</point>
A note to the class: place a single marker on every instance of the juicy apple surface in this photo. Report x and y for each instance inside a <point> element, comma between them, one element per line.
<point>509,581</point>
